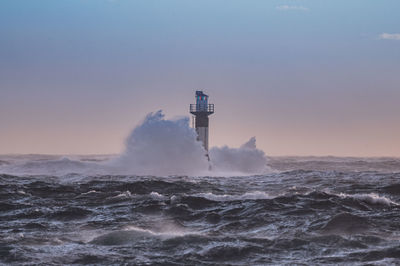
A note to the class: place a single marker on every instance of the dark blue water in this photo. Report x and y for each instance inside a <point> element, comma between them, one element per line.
<point>308,211</point>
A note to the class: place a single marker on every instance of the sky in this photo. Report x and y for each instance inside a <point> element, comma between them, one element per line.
<point>305,77</point>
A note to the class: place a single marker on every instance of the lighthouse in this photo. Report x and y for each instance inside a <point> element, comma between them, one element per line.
<point>201,110</point>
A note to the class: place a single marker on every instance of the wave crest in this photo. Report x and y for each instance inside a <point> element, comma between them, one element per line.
<point>371,198</point>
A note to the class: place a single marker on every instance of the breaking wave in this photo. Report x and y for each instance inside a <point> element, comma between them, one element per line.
<point>132,234</point>
<point>255,195</point>
<point>371,198</point>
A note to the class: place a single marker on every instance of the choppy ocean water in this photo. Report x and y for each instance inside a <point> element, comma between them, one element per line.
<point>306,211</point>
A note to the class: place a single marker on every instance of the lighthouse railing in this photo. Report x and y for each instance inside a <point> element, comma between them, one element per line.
<point>197,108</point>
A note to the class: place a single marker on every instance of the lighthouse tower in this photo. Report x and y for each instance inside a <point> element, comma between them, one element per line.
<point>201,110</point>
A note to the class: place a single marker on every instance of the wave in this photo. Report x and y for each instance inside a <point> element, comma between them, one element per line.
<point>331,163</point>
<point>56,167</point>
<point>346,223</point>
<point>157,196</point>
<point>370,198</point>
<point>131,234</point>
<point>124,195</point>
<point>255,195</point>
<point>392,189</point>
<point>70,213</point>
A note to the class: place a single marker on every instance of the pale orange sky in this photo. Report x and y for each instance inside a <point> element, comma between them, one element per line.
<point>280,129</point>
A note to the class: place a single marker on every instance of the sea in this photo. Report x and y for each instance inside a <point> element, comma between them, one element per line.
<point>56,210</point>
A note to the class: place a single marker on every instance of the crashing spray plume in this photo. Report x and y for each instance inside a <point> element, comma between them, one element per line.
<point>163,147</point>
<point>169,147</point>
<point>246,159</point>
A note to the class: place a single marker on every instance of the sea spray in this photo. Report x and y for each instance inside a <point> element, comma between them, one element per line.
<point>159,146</point>
<point>245,159</point>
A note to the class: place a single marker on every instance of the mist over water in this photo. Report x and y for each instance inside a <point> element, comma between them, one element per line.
<point>245,159</point>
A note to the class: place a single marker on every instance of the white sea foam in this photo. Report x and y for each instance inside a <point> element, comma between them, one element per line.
<point>371,198</point>
<point>157,196</point>
<point>255,195</point>
<point>89,192</point>
<point>131,233</point>
<point>174,199</point>
<point>125,194</point>
<point>166,231</point>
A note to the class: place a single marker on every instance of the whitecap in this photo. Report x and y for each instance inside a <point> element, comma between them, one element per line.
<point>255,195</point>
<point>371,198</point>
<point>156,195</point>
